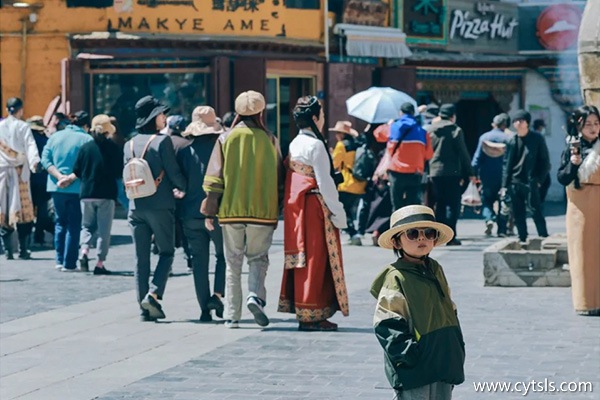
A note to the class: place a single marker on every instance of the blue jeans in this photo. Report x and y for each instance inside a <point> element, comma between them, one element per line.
<point>489,196</point>
<point>67,228</point>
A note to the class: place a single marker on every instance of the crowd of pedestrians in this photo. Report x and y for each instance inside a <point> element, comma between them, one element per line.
<point>225,182</point>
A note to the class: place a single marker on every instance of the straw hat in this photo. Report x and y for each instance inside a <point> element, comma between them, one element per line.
<point>36,123</point>
<point>205,123</point>
<point>414,217</point>
<point>103,121</point>
<point>344,127</point>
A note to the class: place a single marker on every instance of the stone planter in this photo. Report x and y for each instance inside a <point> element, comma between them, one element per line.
<point>539,262</point>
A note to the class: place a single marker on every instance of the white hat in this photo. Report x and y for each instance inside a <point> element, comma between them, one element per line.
<point>204,122</point>
<point>249,103</point>
<point>414,217</point>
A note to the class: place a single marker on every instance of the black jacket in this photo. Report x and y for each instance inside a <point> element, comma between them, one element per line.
<point>98,165</point>
<point>193,160</point>
<point>567,172</point>
<point>160,157</point>
<point>450,154</point>
<point>529,166</point>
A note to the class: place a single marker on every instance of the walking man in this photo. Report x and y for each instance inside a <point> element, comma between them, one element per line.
<point>58,159</point>
<point>409,148</point>
<point>487,162</point>
<point>244,188</point>
<point>450,166</point>
<point>18,158</point>
<point>527,164</point>
<point>39,194</point>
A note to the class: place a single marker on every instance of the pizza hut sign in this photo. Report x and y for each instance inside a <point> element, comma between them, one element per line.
<point>483,20</point>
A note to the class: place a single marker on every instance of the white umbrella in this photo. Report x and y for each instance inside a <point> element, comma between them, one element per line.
<point>377,104</point>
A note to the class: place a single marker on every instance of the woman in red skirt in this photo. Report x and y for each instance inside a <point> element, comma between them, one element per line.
<point>313,284</point>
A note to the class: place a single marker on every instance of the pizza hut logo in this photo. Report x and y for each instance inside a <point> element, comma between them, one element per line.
<point>558,26</point>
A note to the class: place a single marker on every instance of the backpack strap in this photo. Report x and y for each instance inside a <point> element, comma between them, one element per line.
<point>160,176</point>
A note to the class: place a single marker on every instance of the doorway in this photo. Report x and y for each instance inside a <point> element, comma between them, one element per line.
<point>282,94</point>
<point>474,116</point>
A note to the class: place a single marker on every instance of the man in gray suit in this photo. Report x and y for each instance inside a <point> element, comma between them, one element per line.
<point>155,214</point>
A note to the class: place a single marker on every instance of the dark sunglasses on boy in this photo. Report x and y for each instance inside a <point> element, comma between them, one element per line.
<point>414,233</point>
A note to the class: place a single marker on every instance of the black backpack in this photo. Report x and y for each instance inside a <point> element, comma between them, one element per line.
<point>365,163</point>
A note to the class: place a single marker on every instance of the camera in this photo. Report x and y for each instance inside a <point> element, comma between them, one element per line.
<point>574,144</point>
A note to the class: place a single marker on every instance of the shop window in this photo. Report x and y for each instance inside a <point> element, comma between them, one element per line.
<point>282,94</point>
<point>115,94</point>
<point>90,3</point>
<point>303,4</point>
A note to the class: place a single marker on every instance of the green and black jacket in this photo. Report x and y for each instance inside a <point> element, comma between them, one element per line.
<point>416,324</point>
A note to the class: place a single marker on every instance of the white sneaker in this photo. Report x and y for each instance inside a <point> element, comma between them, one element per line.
<point>58,267</point>
<point>256,308</point>
<point>229,324</point>
<point>63,269</point>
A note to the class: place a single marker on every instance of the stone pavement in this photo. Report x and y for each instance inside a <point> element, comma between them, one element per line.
<point>77,336</point>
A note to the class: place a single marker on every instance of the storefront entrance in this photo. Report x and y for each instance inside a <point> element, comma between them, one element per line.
<point>282,94</point>
<point>474,115</point>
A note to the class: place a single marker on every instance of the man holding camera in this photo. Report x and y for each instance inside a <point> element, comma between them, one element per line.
<point>526,165</point>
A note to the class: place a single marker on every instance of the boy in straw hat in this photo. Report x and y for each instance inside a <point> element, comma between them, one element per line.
<point>415,320</point>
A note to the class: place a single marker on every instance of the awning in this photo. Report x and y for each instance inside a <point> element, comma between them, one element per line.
<point>373,41</point>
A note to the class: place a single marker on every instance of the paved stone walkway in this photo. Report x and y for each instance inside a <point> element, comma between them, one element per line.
<point>76,336</point>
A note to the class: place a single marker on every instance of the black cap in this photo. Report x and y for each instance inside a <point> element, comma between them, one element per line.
<point>147,108</point>
<point>177,123</point>
<point>81,118</point>
<point>407,108</point>
<point>14,104</point>
<point>447,111</point>
<point>522,115</point>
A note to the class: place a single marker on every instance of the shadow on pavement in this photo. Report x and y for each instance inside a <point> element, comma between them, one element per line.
<point>119,240</point>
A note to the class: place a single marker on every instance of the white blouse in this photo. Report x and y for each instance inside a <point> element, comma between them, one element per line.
<point>309,150</point>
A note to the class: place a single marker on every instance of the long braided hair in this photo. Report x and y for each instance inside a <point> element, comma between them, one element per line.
<point>306,108</point>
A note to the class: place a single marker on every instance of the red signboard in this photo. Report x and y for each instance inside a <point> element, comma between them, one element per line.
<point>558,26</point>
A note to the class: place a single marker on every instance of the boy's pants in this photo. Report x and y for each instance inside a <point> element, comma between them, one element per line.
<point>434,391</point>
<point>253,241</point>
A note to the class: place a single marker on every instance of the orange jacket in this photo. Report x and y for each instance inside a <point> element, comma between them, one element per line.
<point>414,150</point>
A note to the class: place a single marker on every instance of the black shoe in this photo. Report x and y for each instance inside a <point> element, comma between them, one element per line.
<point>454,242</point>
<point>153,307</point>
<point>205,316</point>
<point>145,317</point>
<point>215,303</point>
<point>9,256</point>
<point>84,263</point>
<point>25,255</point>
<point>101,271</point>
<point>154,249</point>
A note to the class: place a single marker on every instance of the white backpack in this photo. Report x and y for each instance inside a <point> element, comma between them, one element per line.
<point>137,175</point>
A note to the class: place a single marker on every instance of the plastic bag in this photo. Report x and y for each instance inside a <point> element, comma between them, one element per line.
<point>471,197</point>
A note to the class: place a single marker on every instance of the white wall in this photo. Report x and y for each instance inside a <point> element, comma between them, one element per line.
<point>537,94</point>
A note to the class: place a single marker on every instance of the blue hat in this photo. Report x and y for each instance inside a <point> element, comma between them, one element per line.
<point>176,123</point>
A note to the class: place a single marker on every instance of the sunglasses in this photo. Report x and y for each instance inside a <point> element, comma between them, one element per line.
<point>414,234</point>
